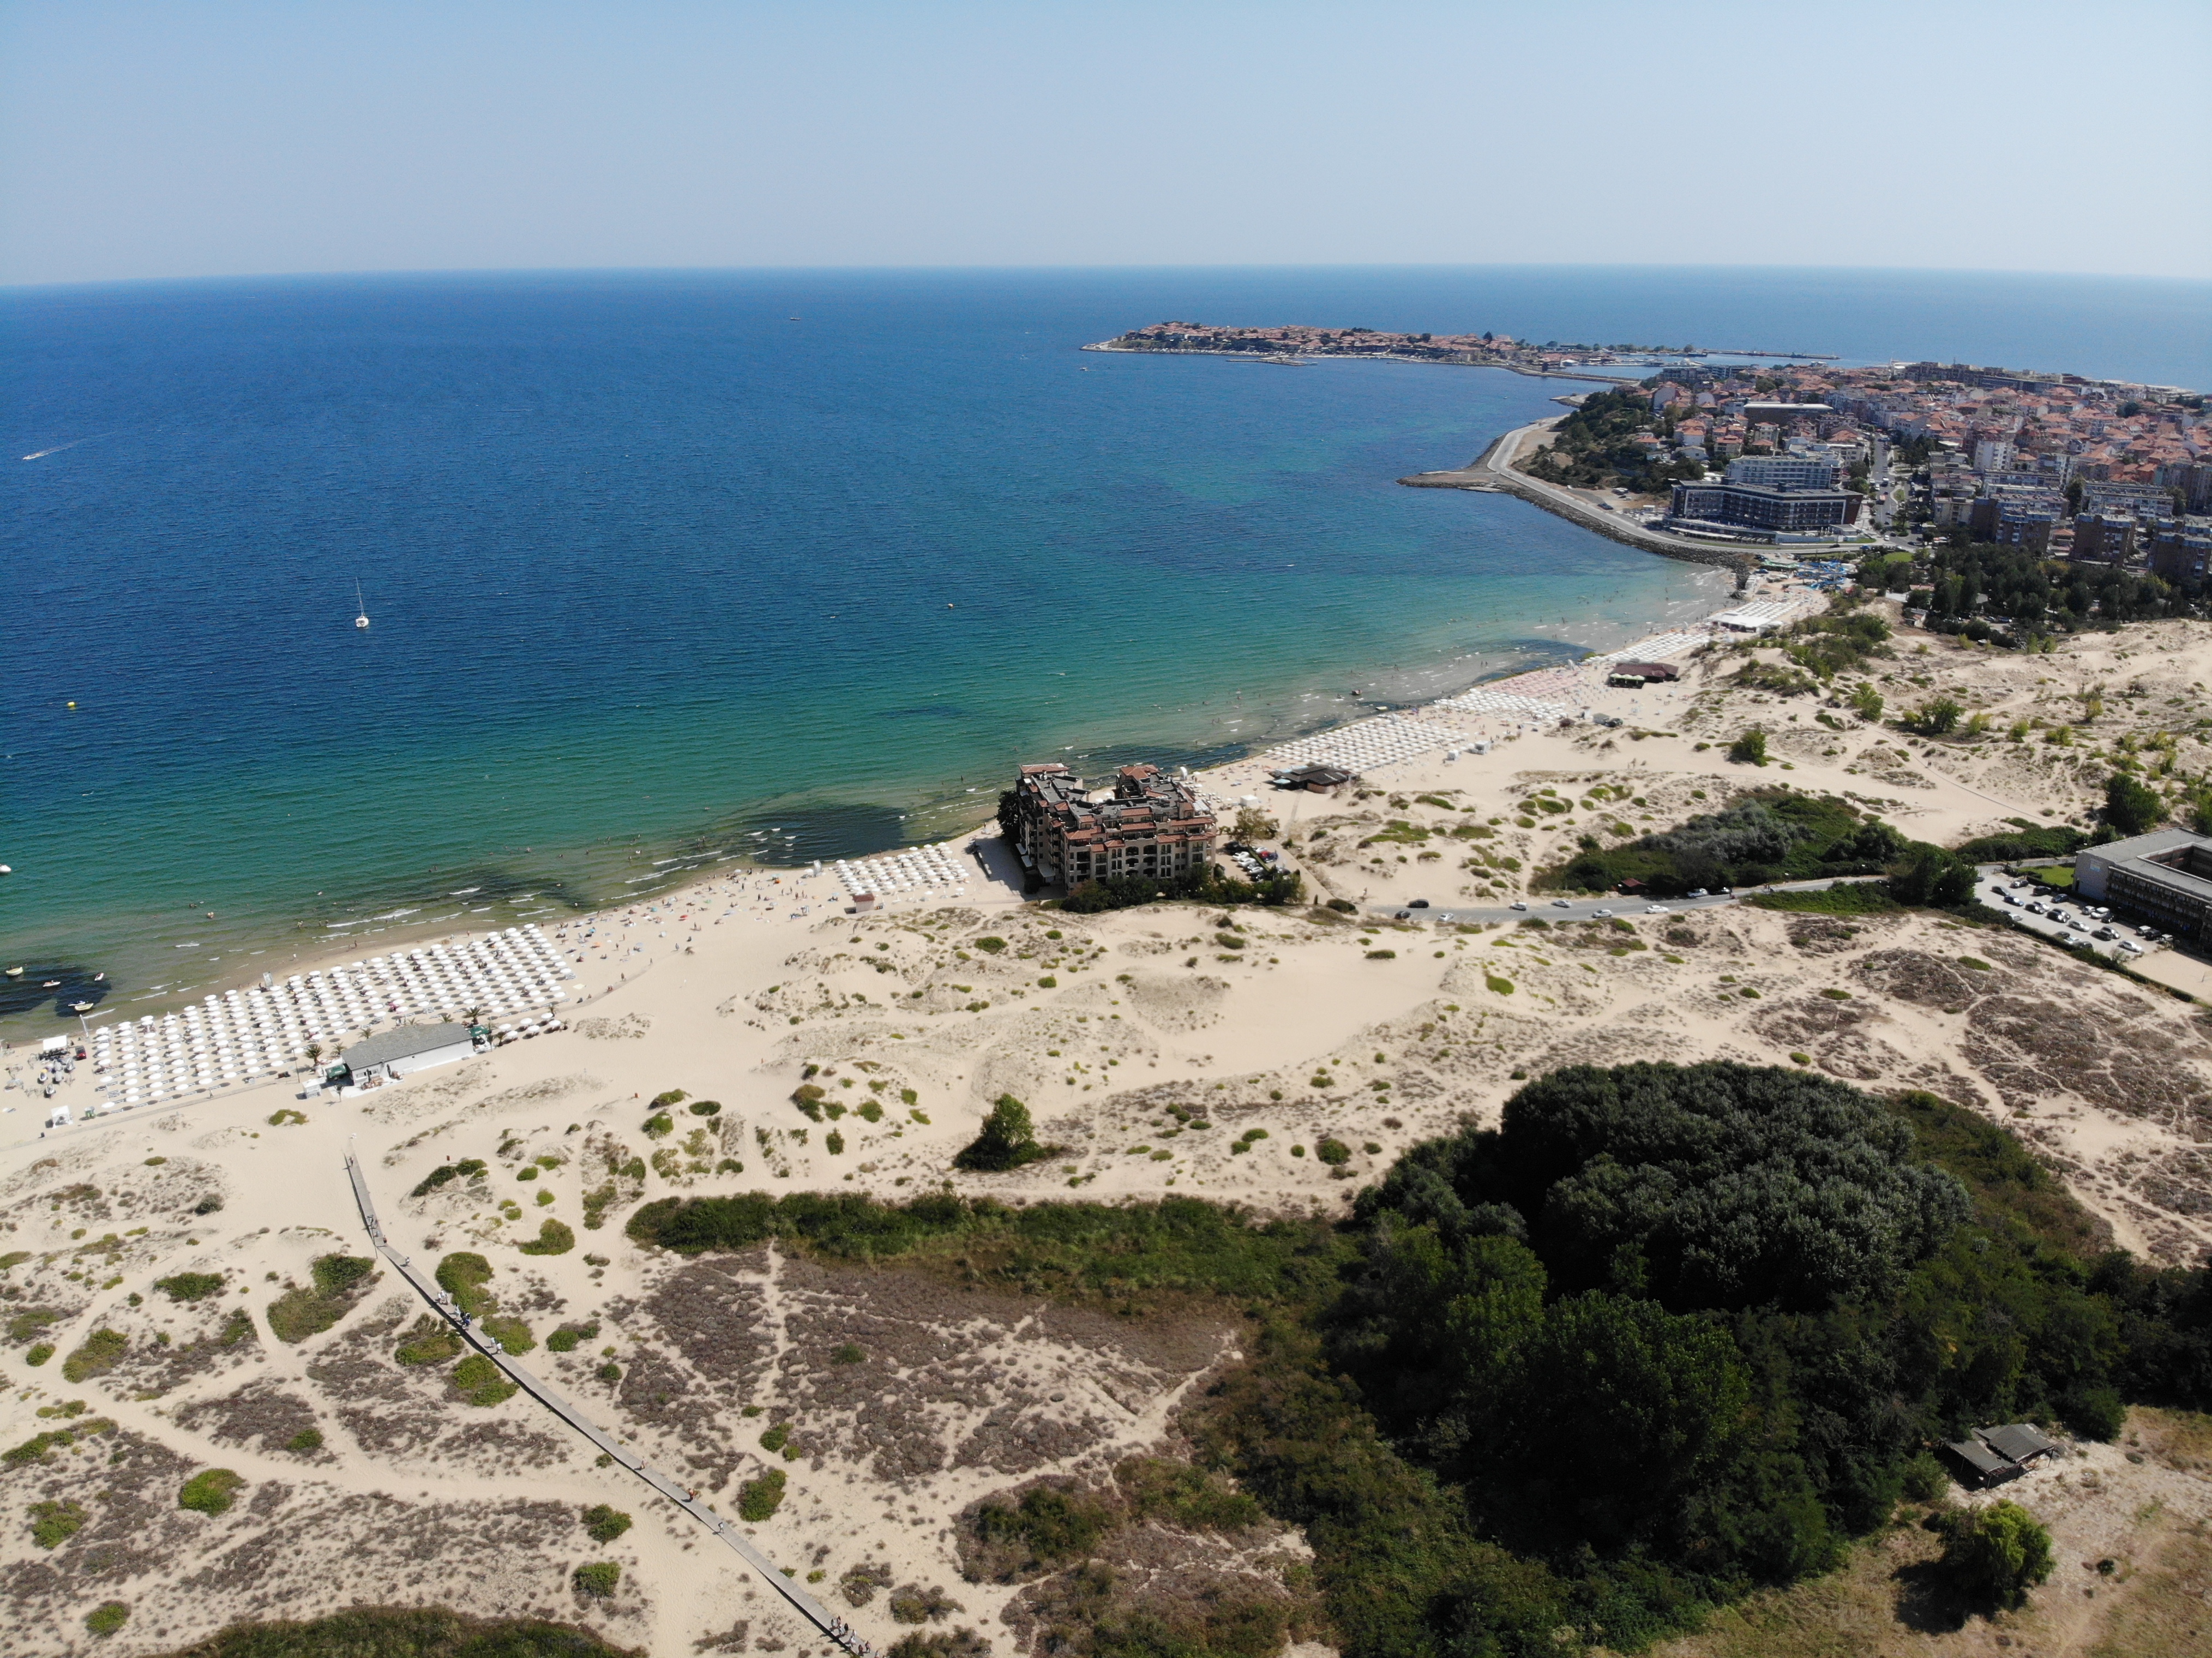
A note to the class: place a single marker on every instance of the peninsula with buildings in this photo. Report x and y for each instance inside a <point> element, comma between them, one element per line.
<point>1737,465</point>
<point>1489,349</point>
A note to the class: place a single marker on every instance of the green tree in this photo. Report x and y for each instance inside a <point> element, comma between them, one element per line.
<point>1866,701</point>
<point>1930,875</point>
<point>598,1579</point>
<point>1603,1371</point>
<point>1936,718</point>
<point>603,1524</point>
<point>1008,1140</point>
<point>2199,805</point>
<point>1254,824</point>
<point>2130,807</point>
<point>1997,1553</point>
<point>1750,748</point>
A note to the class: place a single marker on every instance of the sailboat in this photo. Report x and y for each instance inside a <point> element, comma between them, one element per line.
<point>361,619</point>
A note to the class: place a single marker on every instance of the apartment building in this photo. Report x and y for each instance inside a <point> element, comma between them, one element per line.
<point>2103,537</point>
<point>2182,551</point>
<point>1761,507</point>
<point>1149,824</point>
<point>1784,471</point>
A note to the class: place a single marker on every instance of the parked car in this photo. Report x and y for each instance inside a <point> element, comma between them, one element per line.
<point>2131,947</point>
<point>1403,915</point>
<point>1417,903</point>
<point>1697,892</point>
<point>2104,933</point>
<point>2035,907</point>
<point>1561,903</point>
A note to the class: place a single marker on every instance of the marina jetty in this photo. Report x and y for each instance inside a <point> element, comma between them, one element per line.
<point>1492,472</point>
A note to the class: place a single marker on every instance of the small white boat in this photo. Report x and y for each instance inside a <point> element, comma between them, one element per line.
<point>361,620</point>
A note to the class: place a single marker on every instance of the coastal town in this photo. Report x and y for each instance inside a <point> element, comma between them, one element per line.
<point>1486,350</point>
<point>1893,458</point>
<point>2060,465</point>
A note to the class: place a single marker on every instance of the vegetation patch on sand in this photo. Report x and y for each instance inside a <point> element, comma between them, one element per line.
<point>1770,835</point>
<point>554,1238</point>
<point>479,1381</point>
<point>1070,1248</point>
<point>211,1491</point>
<point>431,1341</point>
<point>1845,898</point>
<point>189,1286</point>
<point>1008,1140</point>
<point>466,1168</point>
<point>303,1310</point>
<point>54,1523</point>
<point>403,1632</point>
<point>758,1498</point>
<point>463,1276</point>
<point>98,1353</point>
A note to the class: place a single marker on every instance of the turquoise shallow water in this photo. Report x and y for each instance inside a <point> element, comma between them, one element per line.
<point>656,570</point>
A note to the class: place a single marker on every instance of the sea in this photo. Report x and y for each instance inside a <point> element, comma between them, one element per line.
<point>673,570</point>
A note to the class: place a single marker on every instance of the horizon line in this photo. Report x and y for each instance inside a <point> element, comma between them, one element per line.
<point>25,285</point>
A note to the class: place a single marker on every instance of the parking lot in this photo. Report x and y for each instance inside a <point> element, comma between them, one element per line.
<point>2057,914</point>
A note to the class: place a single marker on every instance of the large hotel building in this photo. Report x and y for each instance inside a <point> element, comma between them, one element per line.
<point>1151,824</point>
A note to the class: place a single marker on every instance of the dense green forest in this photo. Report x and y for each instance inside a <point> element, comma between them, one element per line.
<point>1773,835</point>
<point>403,1632</point>
<point>1664,1334</point>
<point>1968,581</point>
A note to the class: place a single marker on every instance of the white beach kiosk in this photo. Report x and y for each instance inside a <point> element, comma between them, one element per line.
<point>391,1054</point>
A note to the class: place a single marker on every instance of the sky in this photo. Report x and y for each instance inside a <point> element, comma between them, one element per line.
<point>187,138</point>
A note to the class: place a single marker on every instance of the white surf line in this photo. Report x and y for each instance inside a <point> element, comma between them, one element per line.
<point>800,1601</point>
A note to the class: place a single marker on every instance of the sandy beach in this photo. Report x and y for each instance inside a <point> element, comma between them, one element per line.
<point>1164,1050</point>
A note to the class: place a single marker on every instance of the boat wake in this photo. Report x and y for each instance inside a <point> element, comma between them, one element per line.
<point>40,454</point>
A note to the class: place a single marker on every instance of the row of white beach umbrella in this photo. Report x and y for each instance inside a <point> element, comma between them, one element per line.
<point>241,1034</point>
<point>1507,706</point>
<point>1362,743</point>
<point>921,871</point>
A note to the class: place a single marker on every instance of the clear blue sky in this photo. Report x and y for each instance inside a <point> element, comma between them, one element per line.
<point>201,137</point>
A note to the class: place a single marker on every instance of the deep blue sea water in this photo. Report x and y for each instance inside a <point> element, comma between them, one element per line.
<point>656,569</point>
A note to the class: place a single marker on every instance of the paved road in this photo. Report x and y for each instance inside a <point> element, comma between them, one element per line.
<point>1573,909</point>
<point>800,1601</point>
<point>1496,468</point>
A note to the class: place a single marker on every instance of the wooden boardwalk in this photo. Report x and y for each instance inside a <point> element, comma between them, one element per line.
<point>834,1628</point>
